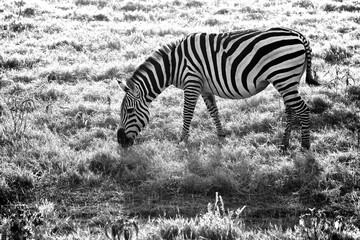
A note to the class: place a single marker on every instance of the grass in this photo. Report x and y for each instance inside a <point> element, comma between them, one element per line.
<point>62,172</point>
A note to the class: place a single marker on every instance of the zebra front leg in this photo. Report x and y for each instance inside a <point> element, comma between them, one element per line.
<point>289,123</point>
<point>191,94</point>
<point>210,103</point>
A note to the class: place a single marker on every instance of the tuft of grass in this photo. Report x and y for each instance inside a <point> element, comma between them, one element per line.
<point>60,43</point>
<point>222,11</point>
<point>216,223</point>
<point>135,16</point>
<point>347,6</point>
<point>303,4</point>
<point>29,12</point>
<point>18,61</point>
<point>51,94</point>
<point>194,4</point>
<point>99,3</point>
<point>337,54</point>
<point>18,26</point>
<point>212,22</point>
<point>15,185</point>
<point>101,17</point>
<point>131,7</point>
<point>353,92</point>
<point>319,105</point>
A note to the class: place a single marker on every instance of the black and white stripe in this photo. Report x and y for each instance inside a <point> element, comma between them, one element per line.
<point>232,65</point>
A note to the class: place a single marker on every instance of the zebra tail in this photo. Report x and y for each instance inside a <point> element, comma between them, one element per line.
<point>310,79</point>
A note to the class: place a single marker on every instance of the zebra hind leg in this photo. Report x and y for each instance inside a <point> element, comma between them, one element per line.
<point>295,106</point>
<point>210,103</point>
<point>303,113</point>
<point>289,124</point>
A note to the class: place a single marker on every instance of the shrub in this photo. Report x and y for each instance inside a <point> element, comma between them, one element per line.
<point>28,12</point>
<point>216,223</point>
<point>336,54</point>
<point>131,7</point>
<point>25,78</point>
<point>194,4</point>
<point>15,185</point>
<point>135,16</point>
<point>17,26</point>
<point>100,3</point>
<point>353,93</point>
<point>194,184</point>
<point>222,11</point>
<point>303,4</point>
<point>101,17</point>
<point>102,162</point>
<point>65,42</point>
<point>318,105</point>
<point>212,22</point>
<point>51,94</point>
<point>329,7</point>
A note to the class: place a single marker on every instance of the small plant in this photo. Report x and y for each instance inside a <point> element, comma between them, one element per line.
<point>19,108</point>
<point>303,4</point>
<point>38,222</point>
<point>315,225</point>
<point>216,223</point>
<point>336,54</point>
<point>194,4</point>
<point>212,22</point>
<point>353,93</point>
<point>19,4</point>
<point>340,76</point>
<point>131,7</point>
<point>319,105</point>
<point>101,17</point>
<point>122,227</point>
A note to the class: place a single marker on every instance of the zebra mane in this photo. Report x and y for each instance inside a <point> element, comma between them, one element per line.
<point>157,55</point>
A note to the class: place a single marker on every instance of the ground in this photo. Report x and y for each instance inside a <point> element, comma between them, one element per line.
<point>59,111</point>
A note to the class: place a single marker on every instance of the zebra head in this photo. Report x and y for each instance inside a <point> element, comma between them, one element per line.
<point>134,114</point>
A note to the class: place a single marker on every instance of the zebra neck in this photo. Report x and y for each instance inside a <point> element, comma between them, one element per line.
<point>156,73</point>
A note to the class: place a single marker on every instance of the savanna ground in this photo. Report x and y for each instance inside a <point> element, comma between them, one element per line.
<point>63,175</point>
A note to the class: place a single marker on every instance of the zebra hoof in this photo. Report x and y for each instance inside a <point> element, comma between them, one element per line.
<point>223,134</point>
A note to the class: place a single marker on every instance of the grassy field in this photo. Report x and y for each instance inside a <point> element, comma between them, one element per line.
<point>64,176</point>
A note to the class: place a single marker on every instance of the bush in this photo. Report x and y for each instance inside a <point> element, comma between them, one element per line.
<point>194,4</point>
<point>336,54</point>
<point>29,12</point>
<point>303,4</point>
<point>15,185</point>
<point>216,223</point>
<point>103,163</point>
<point>101,17</point>
<point>131,7</point>
<point>212,22</point>
<point>100,3</point>
<point>353,93</point>
<point>318,105</point>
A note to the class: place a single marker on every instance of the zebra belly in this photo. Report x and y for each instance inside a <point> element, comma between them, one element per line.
<point>209,87</point>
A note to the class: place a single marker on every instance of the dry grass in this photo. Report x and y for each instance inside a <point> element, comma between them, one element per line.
<point>60,152</point>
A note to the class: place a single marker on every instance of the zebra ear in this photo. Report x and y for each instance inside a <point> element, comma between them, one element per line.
<point>123,86</point>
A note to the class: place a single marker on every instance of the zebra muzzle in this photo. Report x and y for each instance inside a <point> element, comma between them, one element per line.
<point>123,140</point>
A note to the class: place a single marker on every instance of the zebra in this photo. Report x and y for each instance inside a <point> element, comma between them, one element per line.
<point>233,65</point>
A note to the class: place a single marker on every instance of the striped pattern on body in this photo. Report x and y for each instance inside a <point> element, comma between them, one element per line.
<point>232,65</point>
